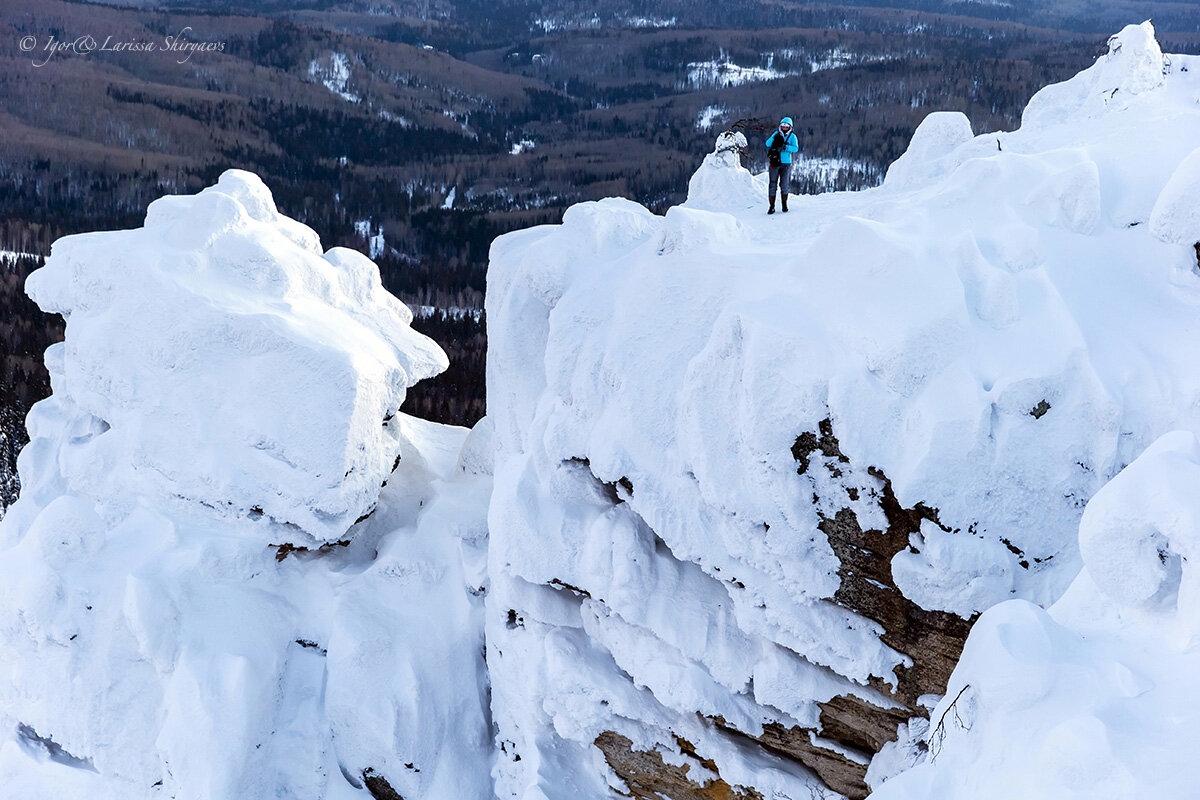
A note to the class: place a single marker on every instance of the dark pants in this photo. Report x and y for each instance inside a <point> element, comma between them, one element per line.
<point>779,177</point>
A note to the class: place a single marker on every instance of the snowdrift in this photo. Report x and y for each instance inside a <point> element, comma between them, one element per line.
<point>756,476</point>
<point>1096,697</point>
<point>235,570</point>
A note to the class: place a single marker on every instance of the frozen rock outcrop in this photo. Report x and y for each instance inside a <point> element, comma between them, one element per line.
<point>1175,218</point>
<point>756,477</point>
<point>938,135</point>
<point>235,570</point>
<point>722,183</point>
<point>218,358</point>
<point>1134,65</point>
<point>1140,534</point>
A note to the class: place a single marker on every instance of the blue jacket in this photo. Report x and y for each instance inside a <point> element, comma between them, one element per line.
<point>790,145</point>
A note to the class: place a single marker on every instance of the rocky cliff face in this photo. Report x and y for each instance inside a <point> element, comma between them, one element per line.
<point>756,477</point>
<point>849,729</point>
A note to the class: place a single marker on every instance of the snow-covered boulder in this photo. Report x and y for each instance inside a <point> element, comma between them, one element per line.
<point>1140,534</point>
<point>722,183</point>
<point>1176,215</point>
<point>756,476</point>
<point>1134,65</point>
<point>938,135</point>
<point>188,607</point>
<point>228,364</point>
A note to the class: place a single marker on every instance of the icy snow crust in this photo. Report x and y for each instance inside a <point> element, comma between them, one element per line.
<point>225,402</point>
<point>997,330</point>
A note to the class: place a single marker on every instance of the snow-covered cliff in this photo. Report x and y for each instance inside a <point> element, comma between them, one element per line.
<point>756,476</point>
<point>235,570</point>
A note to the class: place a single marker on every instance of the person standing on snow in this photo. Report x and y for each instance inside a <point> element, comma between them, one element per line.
<point>780,146</point>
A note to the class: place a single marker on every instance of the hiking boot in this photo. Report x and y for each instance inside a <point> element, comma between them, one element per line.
<point>771,210</point>
<point>784,198</point>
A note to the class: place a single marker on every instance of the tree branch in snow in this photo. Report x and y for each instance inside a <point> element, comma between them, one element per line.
<point>939,731</point>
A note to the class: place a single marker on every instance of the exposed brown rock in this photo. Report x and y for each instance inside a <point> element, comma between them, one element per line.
<point>849,722</point>
<point>839,773</point>
<point>286,549</point>
<point>648,777</point>
<point>575,590</point>
<point>378,786</point>
<point>933,640</point>
<point>808,443</point>
<point>843,720</point>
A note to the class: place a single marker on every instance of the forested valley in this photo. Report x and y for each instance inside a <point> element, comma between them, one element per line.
<point>418,132</point>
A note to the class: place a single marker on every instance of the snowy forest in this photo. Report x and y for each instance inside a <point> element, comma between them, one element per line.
<point>364,123</point>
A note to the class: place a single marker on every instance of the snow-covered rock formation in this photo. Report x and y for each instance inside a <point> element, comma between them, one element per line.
<point>756,476</point>
<point>235,570</point>
<point>754,481</point>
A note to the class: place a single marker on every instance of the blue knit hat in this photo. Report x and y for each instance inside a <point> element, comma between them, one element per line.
<point>785,121</point>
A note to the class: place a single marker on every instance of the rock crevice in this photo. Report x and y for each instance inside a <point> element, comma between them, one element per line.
<point>851,729</point>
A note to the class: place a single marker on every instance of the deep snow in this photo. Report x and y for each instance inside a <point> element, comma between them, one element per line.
<point>1096,697</point>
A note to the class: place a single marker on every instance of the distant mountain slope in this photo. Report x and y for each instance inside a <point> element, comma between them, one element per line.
<point>509,15</point>
<point>364,117</point>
